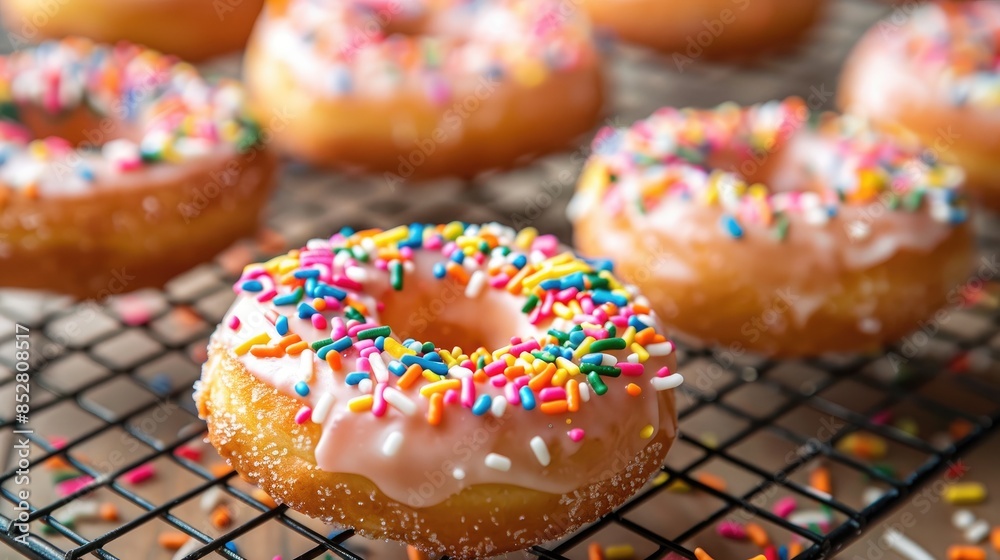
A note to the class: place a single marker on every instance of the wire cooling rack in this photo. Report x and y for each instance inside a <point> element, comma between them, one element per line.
<point>111,380</point>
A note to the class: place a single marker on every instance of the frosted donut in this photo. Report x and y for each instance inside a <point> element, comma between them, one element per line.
<point>937,73</point>
<point>774,230</point>
<point>415,89</point>
<point>190,29</point>
<point>120,168</point>
<point>545,401</point>
<point>713,28</point>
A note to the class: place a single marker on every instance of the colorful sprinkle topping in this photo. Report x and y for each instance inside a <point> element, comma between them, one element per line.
<point>140,107</point>
<point>599,335</point>
<point>706,157</point>
<point>344,48</point>
<point>958,44</point>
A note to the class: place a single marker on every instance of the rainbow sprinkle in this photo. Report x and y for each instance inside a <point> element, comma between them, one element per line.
<point>602,334</point>
<point>672,157</point>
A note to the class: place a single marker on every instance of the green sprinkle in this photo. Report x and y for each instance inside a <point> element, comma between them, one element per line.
<point>396,275</point>
<point>427,347</point>
<point>597,281</point>
<point>359,253</point>
<point>892,201</point>
<point>374,333</point>
<point>596,383</point>
<point>612,329</point>
<point>780,227</point>
<point>560,335</point>
<point>481,363</point>
<point>607,344</point>
<point>913,200</point>
<point>63,475</point>
<point>352,313</point>
<point>321,343</point>
<point>543,356</point>
<point>530,304</point>
<point>610,371</point>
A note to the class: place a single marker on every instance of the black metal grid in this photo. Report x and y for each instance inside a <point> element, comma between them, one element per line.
<point>102,369</point>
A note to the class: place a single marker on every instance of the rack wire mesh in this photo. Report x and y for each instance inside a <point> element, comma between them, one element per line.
<point>111,380</point>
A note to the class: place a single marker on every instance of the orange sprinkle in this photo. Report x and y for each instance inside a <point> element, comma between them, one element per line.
<point>514,286</point>
<point>794,549</point>
<point>819,479</point>
<point>108,512</point>
<point>759,557</point>
<point>57,463</point>
<point>995,538</point>
<point>513,372</point>
<point>297,348</point>
<point>413,554</point>
<point>267,351</point>
<point>220,470</point>
<point>645,336</point>
<point>573,395</point>
<point>413,373</point>
<point>333,358</point>
<point>959,428</point>
<point>595,552</point>
<point>458,273</point>
<point>539,381</point>
<point>962,552</point>
<point>640,309</point>
<point>319,304</point>
<point>263,497</point>
<point>172,540</point>
<point>480,376</point>
<point>554,407</point>
<point>436,409</point>
<point>361,404</point>
<point>700,554</point>
<point>360,307</point>
<point>288,340</point>
<point>712,481</point>
<point>633,389</point>
<point>758,535</point>
<point>221,517</point>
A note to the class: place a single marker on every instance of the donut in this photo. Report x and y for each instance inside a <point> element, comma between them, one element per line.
<point>936,73</point>
<point>774,229</point>
<point>544,401</point>
<point>120,168</point>
<point>691,29</point>
<point>413,89</point>
<point>190,29</point>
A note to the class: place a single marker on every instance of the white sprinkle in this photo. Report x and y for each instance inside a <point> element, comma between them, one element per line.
<point>458,473</point>
<point>399,401</point>
<point>392,444</point>
<point>366,385</point>
<point>415,346</point>
<point>190,546</point>
<point>962,519</point>
<point>378,368</point>
<point>315,244</point>
<point>211,498</point>
<point>660,348</point>
<point>633,358</point>
<point>809,517</point>
<point>541,450</point>
<point>459,372</point>
<point>368,244</point>
<point>977,532</point>
<point>499,406</point>
<point>306,365</point>
<point>871,495</point>
<point>905,547</point>
<point>475,285</point>
<point>497,462</point>
<point>584,392</point>
<point>608,360</point>
<point>357,274</point>
<point>671,381</point>
<point>322,408</point>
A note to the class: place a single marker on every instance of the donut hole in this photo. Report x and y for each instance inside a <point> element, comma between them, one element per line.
<point>80,126</point>
<point>787,166</point>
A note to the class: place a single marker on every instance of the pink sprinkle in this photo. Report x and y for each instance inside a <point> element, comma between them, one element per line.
<point>363,364</point>
<point>495,368</point>
<point>468,364</point>
<point>267,296</point>
<point>619,321</point>
<point>333,304</point>
<point>449,248</point>
<point>521,381</point>
<point>545,244</point>
<point>576,434</point>
<point>499,281</point>
<point>599,334</point>
<point>731,530</point>
<point>664,371</point>
<point>566,295</point>
<point>351,322</point>
<point>587,304</point>
<point>319,321</point>
<point>406,252</point>
<point>339,329</point>
<point>303,415</point>
<point>380,406</point>
<point>342,281</point>
<point>369,351</point>
<point>529,346</point>
<point>784,507</point>
<point>57,442</point>
<point>601,314</point>
<point>552,394</point>
<point>468,392</point>
<point>535,316</point>
<point>381,264</point>
<point>510,391</point>
<point>433,242</point>
<point>234,322</point>
<point>353,331</point>
<point>451,396</point>
<point>630,369</point>
<point>188,452</point>
<point>73,485</point>
<point>498,381</point>
<point>362,344</point>
<point>140,474</point>
<point>546,307</point>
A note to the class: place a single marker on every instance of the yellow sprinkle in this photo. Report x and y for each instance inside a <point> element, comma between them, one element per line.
<point>262,338</point>
<point>561,310</point>
<point>660,479</point>
<point>393,235</point>
<point>629,336</point>
<point>560,378</point>
<point>619,552</point>
<point>440,387</point>
<point>567,365</point>
<point>287,265</point>
<point>431,376</point>
<point>584,347</point>
<point>501,351</point>
<point>525,237</point>
<point>679,486</point>
<point>452,231</point>
<point>612,281</point>
<point>574,306</point>
<point>360,404</point>
<point>395,349</point>
<point>530,74</point>
<point>647,432</point>
<point>965,493</point>
<point>447,357</point>
<point>640,351</point>
<point>538,365</point>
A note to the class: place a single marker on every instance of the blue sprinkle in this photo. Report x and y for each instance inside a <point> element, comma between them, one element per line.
<point>232,547</point>
<point>342,344</point>
<point>281,325</point>
<point>482,405</point>
<point>435,367</point>
<point>356,377</point>
<point>380,343</point>
<point>347,231</point>
<point>311,284</point>
<point>439,270</point>
<point>305,310</point>
<point>601,264</point>
<point>396,367</point>
<point>550,284</point>
<point>576,337</point>
<point>605,296</point>
<point>519,261</point>
<point>304,273</point>
<point>527,398</point>
<point>731,226</point>
<point>289,298</point>
<point>85,172</point>
<point>302,388</point>
<point>458,257</point>
<point>408,342</point>
<point>324,290</point>
<point>433,356</point>
<point>783,552</point>
<point>574,280</point>
<point>595,358</point>
<point>251,286</point>
<point>634,321</point>
<point>160,384</point>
